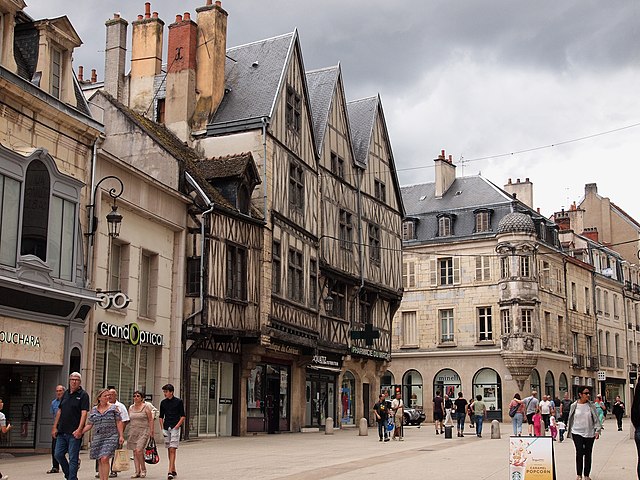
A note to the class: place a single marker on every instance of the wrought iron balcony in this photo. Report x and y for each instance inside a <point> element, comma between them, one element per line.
<point>578,361</point>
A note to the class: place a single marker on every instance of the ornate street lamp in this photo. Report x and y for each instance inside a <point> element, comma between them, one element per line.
<point>114,219</point>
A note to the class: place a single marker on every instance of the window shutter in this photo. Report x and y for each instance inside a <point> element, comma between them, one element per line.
<point>456,270</point>
<point>433,271</point>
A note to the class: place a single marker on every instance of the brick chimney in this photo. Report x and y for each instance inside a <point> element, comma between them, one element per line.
<point>591,233</point>
<point>445,174</point>
<point>211,58</point>
<point>523,191</point>
<point>94,75</point>
<point>146,60</point>
<point>80,74</point>
<point>114,58</point>
<point>180,100</point>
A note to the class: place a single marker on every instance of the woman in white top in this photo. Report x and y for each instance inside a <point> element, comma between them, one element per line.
<point>584,427</point>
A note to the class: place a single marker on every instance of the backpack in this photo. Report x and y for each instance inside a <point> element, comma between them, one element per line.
<point>513,410</point>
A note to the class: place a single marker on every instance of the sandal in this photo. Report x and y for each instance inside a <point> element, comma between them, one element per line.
<point>137,475</point>
<point>143,474</point>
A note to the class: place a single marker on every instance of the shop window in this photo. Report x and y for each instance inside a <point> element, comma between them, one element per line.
<point>412,389</point>
<point>236,272</point>
<point>19,392</point>
<point>123,366</point>
<point>268,398</point>
<point>487,384</point>
<point>9,218</point>
<point>448,382</point>
<point>148,298</point>
<point>534,380</point>
<point>347,399</point>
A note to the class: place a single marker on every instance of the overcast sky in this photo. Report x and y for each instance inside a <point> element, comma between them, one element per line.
<point>478,79</point>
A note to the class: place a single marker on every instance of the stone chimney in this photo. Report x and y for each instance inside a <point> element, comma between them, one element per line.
<point>590,189</point>
<point>445,174</point>
<point>591,233</point>
<point>211,58</point>
<point>146,60</point>
<point>523,191</point>
<point>94,75</point>
<point>180,100</point>
<point>114,58</point>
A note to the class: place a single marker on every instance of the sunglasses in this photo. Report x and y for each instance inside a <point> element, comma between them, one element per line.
<point>585,393</point>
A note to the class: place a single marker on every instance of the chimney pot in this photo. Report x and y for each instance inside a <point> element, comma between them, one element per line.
<point>538,209</point>
<point>526,179</point>
<point>147,10</point>
<point>518,180</point>
<point>442,154</point>
<point>187,16</point>
<point>155,15</point>
<point>140,17</point>
<point>218,3</point>
<point>116,16</point>
<point>178,18</point>
<point>450,158</point>
<point>209,2</point>
<point>94,75</point>
<point>509,182</point>
<point>80,73</point>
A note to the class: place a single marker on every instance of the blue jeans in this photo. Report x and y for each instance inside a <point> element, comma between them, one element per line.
<point>517,424</point>
<point>67,443</point>
<point>382,428</point>
<point>460,416</point>
<point>479,419</point>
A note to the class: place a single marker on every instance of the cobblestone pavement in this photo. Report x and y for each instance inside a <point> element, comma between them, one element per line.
<point>345,455</point>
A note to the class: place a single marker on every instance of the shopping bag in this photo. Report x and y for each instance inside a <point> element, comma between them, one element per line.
<point>121,462</point>
<point>151,452</point>
<point>390,425</point>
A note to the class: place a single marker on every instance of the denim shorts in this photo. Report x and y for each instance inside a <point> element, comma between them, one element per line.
<point>171,437</point>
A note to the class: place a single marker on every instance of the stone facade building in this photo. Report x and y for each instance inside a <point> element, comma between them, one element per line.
<point>47,144</point>
<point>484,309</point>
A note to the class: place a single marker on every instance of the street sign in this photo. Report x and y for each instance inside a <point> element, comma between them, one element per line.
<point>602,375</point>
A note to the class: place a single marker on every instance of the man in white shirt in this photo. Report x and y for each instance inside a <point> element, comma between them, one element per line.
<point>545,410</point>
<point>397,407</point>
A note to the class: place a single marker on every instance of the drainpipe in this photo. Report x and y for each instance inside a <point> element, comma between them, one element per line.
<point>264,121</point>
<point>186,367</point>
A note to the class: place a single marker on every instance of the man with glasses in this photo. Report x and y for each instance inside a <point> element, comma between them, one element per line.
<point>68,425</point>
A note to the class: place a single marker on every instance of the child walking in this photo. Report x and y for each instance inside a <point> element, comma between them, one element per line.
<point>553,427</point>
<point>537,423</point>
<point>561,429</point>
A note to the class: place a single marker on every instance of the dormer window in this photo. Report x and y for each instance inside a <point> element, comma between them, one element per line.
<point>244,199</point>
<point>409,230</point>
<point>445,225</point>
<point>482,220</point>
<point>56,72</point>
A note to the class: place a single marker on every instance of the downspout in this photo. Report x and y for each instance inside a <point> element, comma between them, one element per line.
<point>264,121</point>
<point>186,368</point>
<point>90,248</point>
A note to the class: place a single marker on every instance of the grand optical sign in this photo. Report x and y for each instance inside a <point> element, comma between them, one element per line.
<point>131,333</point>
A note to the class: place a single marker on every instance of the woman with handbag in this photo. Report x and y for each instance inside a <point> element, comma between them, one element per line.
<point>516,407</point>
<point>108,431</point>
<point>140,431</point>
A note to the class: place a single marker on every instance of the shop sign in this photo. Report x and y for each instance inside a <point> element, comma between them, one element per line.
<point>368,352</point>
<point>448,376</point>
<point>327,362</point>
<point>531,458</point>
<point>117,300</point>
<point>131,333</point>
<point>226,401</point>
<point>16,338</point>
<point>281,348</point>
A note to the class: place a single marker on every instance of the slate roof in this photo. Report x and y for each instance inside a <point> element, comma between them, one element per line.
<point>362,114</point>
<point>475,191</point>
<point>516,222</point>
<point>322,85</point>
<point>253,75</point>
